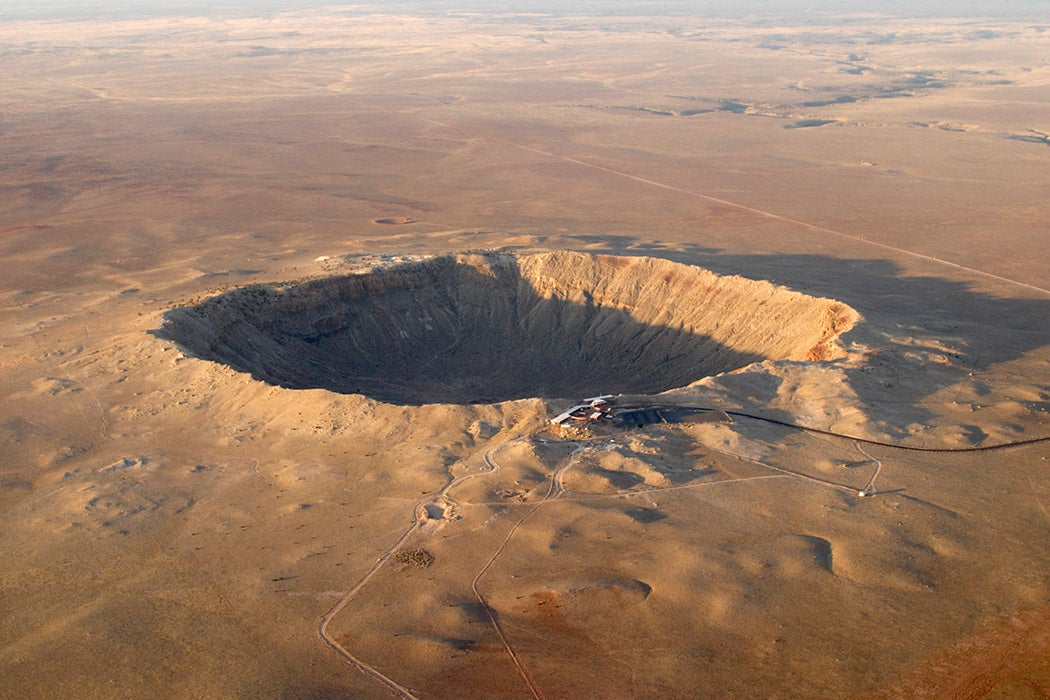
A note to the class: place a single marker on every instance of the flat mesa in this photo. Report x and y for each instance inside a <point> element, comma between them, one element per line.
<point>394,220</point>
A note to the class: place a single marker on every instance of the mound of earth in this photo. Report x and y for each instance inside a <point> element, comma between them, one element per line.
<point>480,328</point>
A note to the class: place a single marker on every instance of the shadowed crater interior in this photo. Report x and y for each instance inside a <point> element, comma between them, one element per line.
<point>490,327</point>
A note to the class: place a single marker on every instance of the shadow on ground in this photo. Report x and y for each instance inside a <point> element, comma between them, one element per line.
<point>925,333</point>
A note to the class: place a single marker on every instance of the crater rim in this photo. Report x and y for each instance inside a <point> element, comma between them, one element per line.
<point>494,326</point>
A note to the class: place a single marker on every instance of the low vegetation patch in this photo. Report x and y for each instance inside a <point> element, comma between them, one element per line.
<point>420,558</point>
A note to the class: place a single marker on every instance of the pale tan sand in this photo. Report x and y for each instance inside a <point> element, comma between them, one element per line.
<point>172,527</point>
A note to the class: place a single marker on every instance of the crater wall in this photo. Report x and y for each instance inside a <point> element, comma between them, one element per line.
<point>478,328</point>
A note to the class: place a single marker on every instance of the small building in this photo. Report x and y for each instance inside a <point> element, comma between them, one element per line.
<point>592,409</point>
<point>563,418</point>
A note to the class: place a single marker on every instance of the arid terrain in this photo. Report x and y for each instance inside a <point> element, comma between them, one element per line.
<point>289,299</point>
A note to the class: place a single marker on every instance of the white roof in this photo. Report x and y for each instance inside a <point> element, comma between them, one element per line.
<point>562,417</point>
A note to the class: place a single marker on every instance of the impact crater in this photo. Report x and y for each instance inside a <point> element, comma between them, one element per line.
<point>491,327</point>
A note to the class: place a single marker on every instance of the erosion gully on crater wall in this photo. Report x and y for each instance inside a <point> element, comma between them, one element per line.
<point>490,327</point>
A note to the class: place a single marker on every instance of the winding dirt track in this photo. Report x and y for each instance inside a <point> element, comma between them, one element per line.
<point>556,488</point>
<point>329,640</point>
<point>489,612</point>
<point>419,520</point>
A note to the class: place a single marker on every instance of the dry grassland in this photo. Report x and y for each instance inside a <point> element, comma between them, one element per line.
<point>172,526</point>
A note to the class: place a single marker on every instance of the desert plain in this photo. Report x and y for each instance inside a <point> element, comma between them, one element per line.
<point>493,215</point>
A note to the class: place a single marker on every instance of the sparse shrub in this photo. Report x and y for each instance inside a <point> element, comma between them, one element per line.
<point>415,557</point>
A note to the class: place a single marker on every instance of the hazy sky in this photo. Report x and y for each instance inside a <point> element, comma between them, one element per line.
<point>81,9</point>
